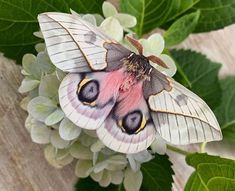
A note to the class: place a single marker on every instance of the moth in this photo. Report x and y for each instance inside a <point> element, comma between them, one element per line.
<point>118,93</point>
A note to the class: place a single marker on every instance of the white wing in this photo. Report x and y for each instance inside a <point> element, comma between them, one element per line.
<point>180,116</point>
<point>76,46</point>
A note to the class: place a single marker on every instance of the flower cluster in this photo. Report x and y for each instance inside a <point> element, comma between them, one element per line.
<point>65,141</point>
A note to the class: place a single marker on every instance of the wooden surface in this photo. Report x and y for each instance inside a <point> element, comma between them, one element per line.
<point>22,164</point>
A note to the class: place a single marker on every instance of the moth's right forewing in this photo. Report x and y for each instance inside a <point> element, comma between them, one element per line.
<point>180,116</point>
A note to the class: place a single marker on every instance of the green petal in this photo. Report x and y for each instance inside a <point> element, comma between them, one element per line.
<point>29,65</point>
<point>55,117</point>
<point>106,179</point>
<point>99,19</point>
<point>112,27</point>
<point>156,43</point>
<point>117,177</point>
<point>54,157</point>
<point>132,180</point>
<point>38,34</point>
<point>44,63</point>
<point>49,87</point>
<point>127,21</point>
<point>57,141</point>
<point>83,168</point>
<point>108,9</point>
<point>90,19</point>
<point>68,130</point>
<point>29,122</point>
<point>41,107</point>
<point>77,150</point>
<point>97,146</point>
<point>40,133</point>
<point>97,176</point>
<point>87,140</point>
<point>27,85</point>
<point>40,47</point>
<point>24,103</point>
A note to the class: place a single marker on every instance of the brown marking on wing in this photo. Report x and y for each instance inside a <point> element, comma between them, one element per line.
<point>114,55</point>
<point>158,82</point>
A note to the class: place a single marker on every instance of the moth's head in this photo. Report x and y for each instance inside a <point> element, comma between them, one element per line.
<point>152,58</point>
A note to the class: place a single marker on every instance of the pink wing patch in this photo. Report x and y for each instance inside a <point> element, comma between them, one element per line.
<point>87,99</point>
<point>128,128</point>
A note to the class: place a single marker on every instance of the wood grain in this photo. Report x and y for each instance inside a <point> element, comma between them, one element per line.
<point>22,164</point>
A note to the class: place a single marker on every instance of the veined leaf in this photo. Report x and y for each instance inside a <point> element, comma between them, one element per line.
<point>18,21</point>
<point>157,174</point>
<point>225,113</point>
<point>215,14</point>
<point>181,28</point>
<point>212,173</point>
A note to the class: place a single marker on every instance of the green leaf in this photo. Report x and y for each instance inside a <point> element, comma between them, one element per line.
<point>157,174</point>
<point>18,21</point>
<point>88,184</point>
<point>149,14</point>
<point>225,113</point>
<point>212,173</point>
<point>181,28</point>
<point>202,74</point>
<point>215,14</point>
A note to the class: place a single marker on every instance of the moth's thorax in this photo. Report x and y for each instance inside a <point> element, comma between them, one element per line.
<point>138,66</point>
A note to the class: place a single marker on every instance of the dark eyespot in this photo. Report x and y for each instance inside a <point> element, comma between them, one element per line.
<point>89,91</point>
<point>132,122</point>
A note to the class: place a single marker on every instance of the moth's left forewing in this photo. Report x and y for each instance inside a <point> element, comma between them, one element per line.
<point>75,45</point>
<point>180,116</point>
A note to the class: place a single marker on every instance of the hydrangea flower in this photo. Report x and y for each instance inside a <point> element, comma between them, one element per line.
<point>66,142</point>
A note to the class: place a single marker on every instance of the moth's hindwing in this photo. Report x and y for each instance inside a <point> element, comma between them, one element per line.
<point>76,46</point>
<point>87,99</point>
<point>128,128</point>
<point>180,116</point>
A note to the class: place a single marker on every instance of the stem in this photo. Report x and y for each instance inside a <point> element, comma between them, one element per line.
<point>178,150</point>
<point>202,147</point>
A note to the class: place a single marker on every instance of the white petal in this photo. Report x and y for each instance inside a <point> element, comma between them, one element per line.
<point>108,9</point>
<point>156,44</point>
<point>126,20</point>
<point>83,168</point>
<point>106,179</point>
<point>68,130</point>
<point>115,167</point>
<point>135,166</point>
<point>54,117</point>
<point>171,70</point>
<point>49,87</point>
<point>28,84</point>
<point>57,141</point>
<point>112,28</point>
<point>29,122</point>
<point>100,166</point>
<point>29,65</point>
<point>117,159</point>
<point>159,145</point>
<point>60,74</point>
<point>77,150</point>
<point>41,107</point>
<point>132,180</point>
<point>117,177</point>
<point>146,47</point>
<point>97,176</point>
<point>95,158</point>
<point>90,18</point>
<point>57,158</point>
<point>44,63</point>
<point>91,133</point>
<point>40,133</point>
<point>143,156</point>
<point>97,146</point>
